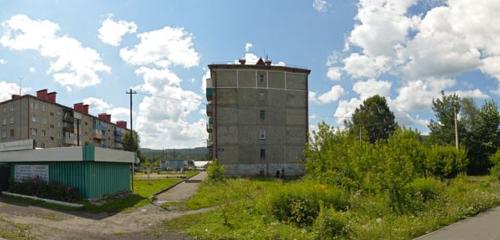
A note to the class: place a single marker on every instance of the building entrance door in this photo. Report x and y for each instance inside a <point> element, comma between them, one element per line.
<point>4,177</point>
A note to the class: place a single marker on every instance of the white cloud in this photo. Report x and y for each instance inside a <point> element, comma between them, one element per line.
<point>248,46</point>
<point>345,109</point>
<point>320,5</point>
<point>334,73</point>
<point>372,87</point>
<point>2,61</point>
<point>98,105</point>
<point>359,66</point>
<point>9,89</point>
<point>332,95</point>
<point>71,64</point>
<point>162,119</point>
<point>112,32</point>
<point>32,69</point>
<point>418,95</point>
<point>313,97</point>
<point>476,93</point>
<point>382,25</point>
<point>162,48</point>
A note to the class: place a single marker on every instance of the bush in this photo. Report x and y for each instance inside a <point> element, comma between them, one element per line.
<point>215,171</point>
<point>300,203</point>
<point>52,190</point>
<point>331,224</point>
<point>446,161</point>
<point>426,189</point>
<point>495,161</point>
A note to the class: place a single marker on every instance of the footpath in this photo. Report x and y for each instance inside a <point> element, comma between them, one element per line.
<point>484,226</point>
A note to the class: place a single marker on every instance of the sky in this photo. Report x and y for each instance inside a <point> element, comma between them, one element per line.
<point>94,51</point>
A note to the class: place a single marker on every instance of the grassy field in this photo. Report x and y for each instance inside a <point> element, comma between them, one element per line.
<point>246,210</point>
<point>143,193</point>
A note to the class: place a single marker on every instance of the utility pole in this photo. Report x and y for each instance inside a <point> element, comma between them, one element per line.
<point>131,93</point>
<point>456,127</point>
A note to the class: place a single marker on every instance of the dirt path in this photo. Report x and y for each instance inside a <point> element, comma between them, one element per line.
<point>137,224</point>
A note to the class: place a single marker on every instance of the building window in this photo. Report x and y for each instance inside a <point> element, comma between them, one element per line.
<point>44,133</point>
<point>44,120</point>
<point>4,122</point>
<point>12,120</point>
<point>51,113</point>
<point>262,115</point>
<point>4,133</point>
<point>262,154</point>
<point>261,78</point>
<point>262,134</point>
<point>12,108</point>
<point>44,107</point>
<point>52,138</point>
<point>12,133</point>
<point>33,132</point>
<point>52,126</point>
<point>33,119</point>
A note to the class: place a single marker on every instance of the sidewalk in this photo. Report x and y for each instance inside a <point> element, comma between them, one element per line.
<point>182,191</point>
<point>484,226</point>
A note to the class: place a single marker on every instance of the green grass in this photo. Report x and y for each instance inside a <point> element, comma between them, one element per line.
<point>243,211</point>
<point>14,231</point>
<point>142,196</point>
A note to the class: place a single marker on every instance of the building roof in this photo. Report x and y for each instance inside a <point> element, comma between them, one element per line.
<point>259,67</point>
<point>59,105</point>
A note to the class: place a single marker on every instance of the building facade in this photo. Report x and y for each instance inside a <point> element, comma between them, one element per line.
<point>258,118</point>
<point>51,124</point>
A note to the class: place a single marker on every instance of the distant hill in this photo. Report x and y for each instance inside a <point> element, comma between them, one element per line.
<point>197,154</point>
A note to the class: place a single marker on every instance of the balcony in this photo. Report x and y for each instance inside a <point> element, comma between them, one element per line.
<point>98,135</point>
<point>210,93</point>
<point>210,109</point>
<point>210,127</point>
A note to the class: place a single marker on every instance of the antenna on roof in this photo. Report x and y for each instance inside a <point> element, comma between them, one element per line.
<point>21,86</point>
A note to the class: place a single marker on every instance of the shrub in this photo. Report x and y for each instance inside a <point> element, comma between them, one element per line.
<point>495,161</point>
<point>331,224</point>
<point>52,190</point>
<point>426,188</point>
<point>300,203</point>
<point>215,171</point>
<point>446,161</point>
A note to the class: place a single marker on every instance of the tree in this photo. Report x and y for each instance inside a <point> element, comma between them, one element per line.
<point>131,141</point>
<point>442,131</point>
<point>149,164</point>
<point>374,118</point>
<point>482,136</point>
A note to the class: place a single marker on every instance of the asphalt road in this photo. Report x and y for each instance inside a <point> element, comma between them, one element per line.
<point>182,191</point>
<point>484,226</point>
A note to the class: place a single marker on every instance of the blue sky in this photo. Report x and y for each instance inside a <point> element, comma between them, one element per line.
<point>406,50</point>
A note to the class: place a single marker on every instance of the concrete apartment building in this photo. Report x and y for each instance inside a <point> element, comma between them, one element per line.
<point>258,118</point>
<point>51,124</point>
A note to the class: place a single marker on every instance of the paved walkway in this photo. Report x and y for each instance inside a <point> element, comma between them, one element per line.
<point>485,226</point>
<point>182,191</point>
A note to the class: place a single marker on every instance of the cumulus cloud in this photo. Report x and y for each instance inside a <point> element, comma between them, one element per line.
<point>2,61</point>
<point>71,64</point>
<point>162,48</point>
<point>372,87</point>
<point>332,95</point>
<point>162,119</point>
<point>9,89</point>
<point>334,73</point>
<point>248,46</point>
<point>345,109</point>
<point>98,105</point>
<point>111,32</point>
<point>422,51</point>
<point>320,5</point>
